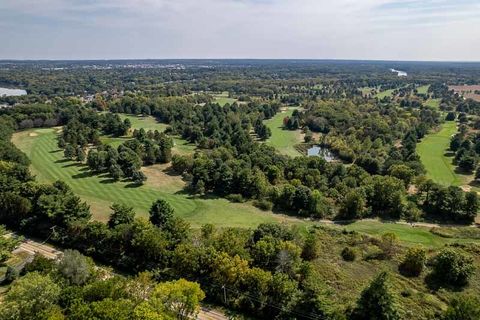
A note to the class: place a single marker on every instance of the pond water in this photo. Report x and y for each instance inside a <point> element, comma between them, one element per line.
<point>318,151</point>
<point>12,92</point>
<point>399,73</point>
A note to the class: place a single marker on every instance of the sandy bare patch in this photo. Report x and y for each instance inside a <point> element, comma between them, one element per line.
<point>33,134</point>
<point>466,188</point>
<point>161,176</point>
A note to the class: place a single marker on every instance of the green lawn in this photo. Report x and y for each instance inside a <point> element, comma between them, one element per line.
<point>405,233</point>
<point>423,89</point>
<point>434,103</point>
<point>48,165</point>
<point>283,140</point>
<point>150,123</point>
<point>433,154</point>
<point>222,99</point>
<point>386,93</point>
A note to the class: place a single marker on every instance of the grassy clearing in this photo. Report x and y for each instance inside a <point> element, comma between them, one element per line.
<point>150,123</point>
<point>97,190</point>
<point>409,235</point>
<point>423,89</point>
<point>222,99</point>
<point>386,93</point>
<point>433,103</point>
<point>283,140</point>
<point>433,152</point>
<point>348,279</point>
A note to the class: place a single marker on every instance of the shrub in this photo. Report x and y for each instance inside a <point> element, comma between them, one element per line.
<point>377,301</point>
<point>349,254</point>
<point>452,267</point>
<point>264,205</point>
<point>413,262</point>
<point>463,308</point>
<point>235,198</point>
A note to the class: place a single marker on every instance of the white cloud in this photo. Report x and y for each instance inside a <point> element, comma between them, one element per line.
<point>361,29</point>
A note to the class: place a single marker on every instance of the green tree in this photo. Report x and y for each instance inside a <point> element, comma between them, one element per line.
<point>80,154</point>
<point>138,177</point>
<point>69,152</point>
<point>75,267</point>
<point>377,301</point>
<point>402,172</point>
<point>311,247</point>
<point>30,297</point>
<point>180,297</point>
<point>413,262</point>
<point>121,214</point>
<point>354,205</point>
<point>465,307</point>
<point>161,212</point>
<point>451,267</point>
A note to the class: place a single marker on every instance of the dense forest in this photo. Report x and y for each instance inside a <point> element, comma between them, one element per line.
<point>271,271</point>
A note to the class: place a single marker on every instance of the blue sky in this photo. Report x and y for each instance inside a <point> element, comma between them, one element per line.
<point>336,29</point>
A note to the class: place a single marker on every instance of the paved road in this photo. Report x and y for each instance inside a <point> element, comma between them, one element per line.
<point>211,314</point>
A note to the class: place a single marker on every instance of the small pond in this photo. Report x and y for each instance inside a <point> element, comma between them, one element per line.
<point>318,151</point>
<point>5,92</point>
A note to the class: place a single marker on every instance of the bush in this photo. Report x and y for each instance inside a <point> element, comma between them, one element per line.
<point>463,308</point>
<point>413,262</point>
<point>349,254</point>
<point>11,275</point>
<point>452,267</point>
<point>264,205</point>
<point>235,198</point>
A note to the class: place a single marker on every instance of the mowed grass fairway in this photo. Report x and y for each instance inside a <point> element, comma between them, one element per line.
<point>423,89</point>
<point>150,123</point>
<point>222,99</point>
<point>49,165</point>
<point>283,140</point>
<point>433,152</point>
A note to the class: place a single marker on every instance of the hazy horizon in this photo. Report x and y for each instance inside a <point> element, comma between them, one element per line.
<point>378,30</point>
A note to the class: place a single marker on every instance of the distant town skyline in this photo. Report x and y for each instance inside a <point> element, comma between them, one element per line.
<point>423,30</point>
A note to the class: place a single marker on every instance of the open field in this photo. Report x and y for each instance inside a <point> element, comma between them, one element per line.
<point>434,103</point>
<point>423,89</point>
<point>283,140</point>
<point>383,94</point>
<point>222,99</point>
<point>417,235</point>
<point>467,91</point>
<point>150,123</point>
<point>433,152</point>
<point>48,165</point>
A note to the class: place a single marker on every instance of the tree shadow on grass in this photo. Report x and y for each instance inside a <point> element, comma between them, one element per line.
<point>108,181</point>
<point>73,164</point>
<point>132,185</point>
<point>171,172</point>
<point>435,283</point>
<point>62,160</point>
<point>55,151</point>
<point>461,171</point>
<point>474,183</point>
<point>85,174</point>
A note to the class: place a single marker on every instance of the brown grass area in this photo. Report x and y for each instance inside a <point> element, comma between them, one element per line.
<point>467,91</point>
<point>162,176</point>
